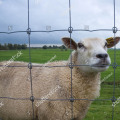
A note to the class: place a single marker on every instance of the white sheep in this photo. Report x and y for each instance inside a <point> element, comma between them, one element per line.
<point>55,83</point>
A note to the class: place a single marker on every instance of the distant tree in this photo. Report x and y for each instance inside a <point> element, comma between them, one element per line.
<point>0,47</point>
<point>23,46</point>
<point>50,47</point>
<point>55,46</point>
<point>63,48</point>
<point>15,46</point>
<point>10,46</point>
<point>5,47</point>
<point>44,47</point>
<point>18,46</point>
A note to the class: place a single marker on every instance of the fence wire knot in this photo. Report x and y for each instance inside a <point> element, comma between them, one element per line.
<point>71,65</point>
<point>114,29</point>
<point>30,65</point>
<point>32,98</point>
<point>28,31</point>
<point>70,29</point>
<point>72,99</point>
<point>113,99</point>
<point>114,65</point>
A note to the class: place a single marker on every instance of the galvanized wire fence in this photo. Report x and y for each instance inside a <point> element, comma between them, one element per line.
<point>71,65</point>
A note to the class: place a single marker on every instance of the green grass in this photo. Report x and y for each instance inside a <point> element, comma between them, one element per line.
<point>99,110</point>
<point>38,55</point>
<point>102,110</point>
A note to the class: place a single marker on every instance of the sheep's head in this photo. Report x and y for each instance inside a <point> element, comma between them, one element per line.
<point>91,52</point>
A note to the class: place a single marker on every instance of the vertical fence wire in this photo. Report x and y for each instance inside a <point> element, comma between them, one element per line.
<point>114,64</point>
<point>71,67</point>
<point>30,64</point>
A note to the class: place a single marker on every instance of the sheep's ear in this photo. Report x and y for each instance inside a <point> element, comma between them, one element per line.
<point>112,41</point>
<point>66,42</point>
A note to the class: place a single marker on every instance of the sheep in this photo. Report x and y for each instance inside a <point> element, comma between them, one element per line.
<point>55,83</point>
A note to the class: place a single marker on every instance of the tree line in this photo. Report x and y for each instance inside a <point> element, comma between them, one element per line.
<point>62,47</point>
<point>10,46</point>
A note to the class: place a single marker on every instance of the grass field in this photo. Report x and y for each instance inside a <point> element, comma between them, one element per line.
<point>99,110</point>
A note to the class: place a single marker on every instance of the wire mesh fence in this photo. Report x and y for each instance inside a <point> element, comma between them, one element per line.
<point>71,65</point>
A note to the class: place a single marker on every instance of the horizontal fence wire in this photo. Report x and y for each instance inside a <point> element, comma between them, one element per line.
<point>56,66</point>
<point>70,30</point>
<point>12,98</point>
<point>62,30</point>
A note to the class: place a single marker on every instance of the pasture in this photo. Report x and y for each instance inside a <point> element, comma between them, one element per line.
<point>99,110</point>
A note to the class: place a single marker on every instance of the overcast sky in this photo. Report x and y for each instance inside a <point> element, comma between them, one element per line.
<point>97,14</point>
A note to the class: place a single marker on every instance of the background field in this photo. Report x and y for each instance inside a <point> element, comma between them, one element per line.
<point>99,110</point>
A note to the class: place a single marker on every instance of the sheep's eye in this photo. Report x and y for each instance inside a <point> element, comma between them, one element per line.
<point>105,44</point>
<point>80,45</point>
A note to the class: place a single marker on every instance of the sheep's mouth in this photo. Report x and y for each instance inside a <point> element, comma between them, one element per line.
<point>100,65</point>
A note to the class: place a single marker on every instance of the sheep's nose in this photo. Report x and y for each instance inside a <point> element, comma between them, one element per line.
<point>102,56</point>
